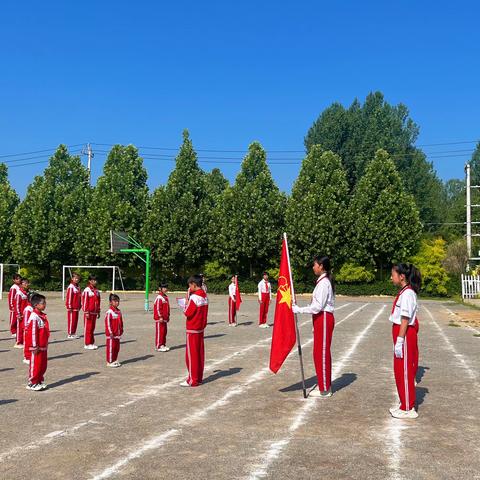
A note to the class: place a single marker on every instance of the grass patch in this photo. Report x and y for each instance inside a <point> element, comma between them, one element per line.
<point>453,324</point>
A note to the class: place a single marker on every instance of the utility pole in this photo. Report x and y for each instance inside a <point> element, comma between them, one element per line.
<point>89,153</point>
<point>469,211</point>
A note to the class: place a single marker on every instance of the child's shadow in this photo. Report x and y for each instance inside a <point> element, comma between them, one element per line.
<point>222,373</point>
<point>75,378</point>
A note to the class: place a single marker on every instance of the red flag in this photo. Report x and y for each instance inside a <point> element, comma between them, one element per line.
<point>284,336</point>
<point>238,297</point>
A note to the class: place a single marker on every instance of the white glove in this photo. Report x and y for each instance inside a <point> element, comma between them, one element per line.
<point>295,309</point>
<point>398,349</point>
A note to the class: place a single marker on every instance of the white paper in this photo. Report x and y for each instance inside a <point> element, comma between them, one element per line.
<point>182,302</point>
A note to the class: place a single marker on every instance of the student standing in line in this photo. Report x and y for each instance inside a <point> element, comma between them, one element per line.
<point>12,293</point>
<point>264,297</point>
<point>91,309</point>
<point>113,331</point>
<point>73,302</point>
<point>404,332</point>
<point>321,308</point>
<point>26,320</point>
<point>232,303</point>
<point>196,321</point>
<point>161,316</point>
<point>21,301</point>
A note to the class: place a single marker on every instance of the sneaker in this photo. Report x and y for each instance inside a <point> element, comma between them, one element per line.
<point>113,364</point>
<point>90,347</point>
<point>26,361</point>
<point>163,348</point>
<point>43,385</point>
<point>29,386</point>
<point>184,384</point>
<point>392,410</point>
<point>75,337</point>
<point>14,335</point>
<point>234,324</point>
<point>404,413</point>
<point>18,345</point>
<point>37,387</point>
<point>117,364</point>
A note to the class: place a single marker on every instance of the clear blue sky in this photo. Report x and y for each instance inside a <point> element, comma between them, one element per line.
<point>231,72</point>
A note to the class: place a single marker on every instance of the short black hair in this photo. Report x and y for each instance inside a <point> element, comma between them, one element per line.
<point>92,277</point>
<point>30,295</point>
<point>16,276</point>
<point>25,279</point>
<point>163,285</point>
<point>265,273</point>
<point>75,274</point>
<point>196,279</point>
<point>113,296</point>
<point>36,299</point>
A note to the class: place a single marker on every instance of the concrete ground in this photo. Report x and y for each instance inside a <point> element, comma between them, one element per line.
<point>135,422</point>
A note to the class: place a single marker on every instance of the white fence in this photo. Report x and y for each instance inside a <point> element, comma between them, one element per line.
<point>470,286</point>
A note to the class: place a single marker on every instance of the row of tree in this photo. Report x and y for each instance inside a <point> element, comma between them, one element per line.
<point>362,196</point>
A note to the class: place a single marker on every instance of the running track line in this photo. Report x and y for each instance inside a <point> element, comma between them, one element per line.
<point>163,438</point>
<point>151,391</point>
<point>275,449</point>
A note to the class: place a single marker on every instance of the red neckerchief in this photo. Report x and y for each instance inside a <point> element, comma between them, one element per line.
<point>42,315</point>
<point>406,287</point>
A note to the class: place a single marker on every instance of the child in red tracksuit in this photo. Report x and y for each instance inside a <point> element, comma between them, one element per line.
<point>196,315</point>
<point>264,297</point>
<point>113,330</point>
<point>37,333</point>
<point>161,316</point>
<point>91,309</point>
<point>26,320</point>
<point>21,301</point>
<point>73,303</point>
<point>404,333</point>
<point>12,293</point>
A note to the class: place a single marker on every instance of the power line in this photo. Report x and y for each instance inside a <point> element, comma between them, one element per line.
<point>38,151</point>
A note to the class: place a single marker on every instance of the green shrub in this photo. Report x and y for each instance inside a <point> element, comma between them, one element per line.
<point>351,273</point>
<point>213,270</point>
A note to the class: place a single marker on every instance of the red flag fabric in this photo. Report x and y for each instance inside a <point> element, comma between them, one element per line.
<point>284,335</point>
<point>238,297</point>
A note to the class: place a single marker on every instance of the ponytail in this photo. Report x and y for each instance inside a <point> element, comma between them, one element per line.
<point>327,267</point>
<point>412,275</point>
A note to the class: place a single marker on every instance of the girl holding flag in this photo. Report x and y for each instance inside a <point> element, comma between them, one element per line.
<point>321,308</point>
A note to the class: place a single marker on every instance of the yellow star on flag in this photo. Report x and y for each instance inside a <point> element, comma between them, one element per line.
<point>286,293</point>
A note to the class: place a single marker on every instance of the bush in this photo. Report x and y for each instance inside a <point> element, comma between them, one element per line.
<point>429,261</point>
<point>213,270</point>
<point>379,287</point>
<point>351,273</point>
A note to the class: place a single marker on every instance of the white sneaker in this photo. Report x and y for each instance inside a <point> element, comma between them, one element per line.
<point>43,385</point>
<point>90,347</point>
<point>18,345</point>
<point>37,387</point>
<point>118,364</point>
<point>184,384</point>
<point>393,410</point>
<point>163,348</point>
<point>404,413</point>
<point>26,361</point>
<point>316,393</point>
<point>112,365</point>
<point>234,324</point>
<point>29,386</point>
<point>14,335</point>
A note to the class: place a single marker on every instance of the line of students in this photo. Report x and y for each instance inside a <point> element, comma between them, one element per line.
<point>404,332</point>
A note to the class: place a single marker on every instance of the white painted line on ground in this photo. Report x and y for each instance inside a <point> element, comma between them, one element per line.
<point>462,363</point>
<point>149,392</point>
<point>189,420</point>
<point>275,449</point>
<point>469,327</point>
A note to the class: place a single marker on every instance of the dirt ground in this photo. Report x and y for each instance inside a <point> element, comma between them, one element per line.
<point>136,422</point>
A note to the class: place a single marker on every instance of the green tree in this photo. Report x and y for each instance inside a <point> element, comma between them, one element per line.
<point>119,202</point>
<point>47,221</point>
<point>316,210</point>
<point>177,224</point>
<point>8,203</point>
<point>249,217</point>
<point>384,219</point>
<point>357,132</point>
<point>454,210</point>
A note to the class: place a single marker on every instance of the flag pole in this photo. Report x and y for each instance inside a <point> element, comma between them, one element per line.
<point>299,344</point>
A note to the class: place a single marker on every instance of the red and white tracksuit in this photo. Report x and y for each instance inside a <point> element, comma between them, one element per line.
<point>26,320</point>
<point>21,301</point>
<point>264,296</point>
<point>113,333</point>
<point>91,309</point>
<point>405,369</point>
<point>37,334</point>
<point>12,293</point>
<point>321,308</point>
<point>161,316</point>
<point>232,305</point>
<point>73,303</point>
<point>196,313</point>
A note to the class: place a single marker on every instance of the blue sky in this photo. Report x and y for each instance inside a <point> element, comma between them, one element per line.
<point>231,72</point>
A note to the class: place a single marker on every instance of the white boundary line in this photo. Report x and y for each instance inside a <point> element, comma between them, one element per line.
<point>469,327</point>
<point>274,449</point>
<point>146,393</point>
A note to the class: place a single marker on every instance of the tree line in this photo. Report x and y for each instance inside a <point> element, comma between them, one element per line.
<point>364,194</point>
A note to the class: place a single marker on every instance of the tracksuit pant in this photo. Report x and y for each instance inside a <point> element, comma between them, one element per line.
<point>112,348</point>
<point>90,320</point>
<point>72,321</point>
<point>195,358</point>
<point>232,311</point>
<point>38,367</point>
<point>160,334</point>
<point>13,323</point>
<point>405,368</point>
<point>20,331</point>
<point>264,308</point>
<point>323,325</point>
